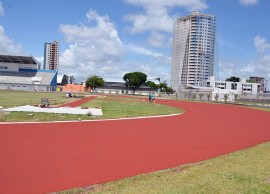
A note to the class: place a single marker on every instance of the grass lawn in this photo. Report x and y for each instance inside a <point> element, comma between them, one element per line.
<point>119,107</point>
<point>245,171</point>
<point>9,98</point>
<point>112,107</point>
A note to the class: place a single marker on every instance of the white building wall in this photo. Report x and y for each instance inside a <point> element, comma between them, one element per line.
<point>9,67</point>
<point>231,88</point>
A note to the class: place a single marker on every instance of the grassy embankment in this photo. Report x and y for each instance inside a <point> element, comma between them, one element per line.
<point>112,107</point>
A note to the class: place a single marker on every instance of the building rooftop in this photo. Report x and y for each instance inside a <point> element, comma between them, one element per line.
<point>17,59</point>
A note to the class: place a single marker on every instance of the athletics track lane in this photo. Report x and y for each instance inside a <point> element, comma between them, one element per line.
<point>78,102</point>
<point>41,158</point>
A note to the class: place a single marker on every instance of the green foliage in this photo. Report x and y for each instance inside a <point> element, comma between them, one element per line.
<point>94,81</point>
<point>251,81</point>
<point>163,86</point>
<point>233,79</point>
<point>169,90</point>
<point>135,79</point>
<point>152,85</point>
<point>64,80</point>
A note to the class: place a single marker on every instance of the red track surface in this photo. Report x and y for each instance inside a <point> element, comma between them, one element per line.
<point>40,158</point>
<point>78,102</point>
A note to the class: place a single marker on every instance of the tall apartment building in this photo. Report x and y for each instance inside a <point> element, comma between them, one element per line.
<point>193,50</point>
<point>51,55</point>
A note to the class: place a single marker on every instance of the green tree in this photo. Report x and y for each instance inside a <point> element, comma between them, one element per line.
<point>134,79</point>
<point>233,79</point>
<point>163,86</point>
<point>64,80</point>
<point>169,90</point>
<point>94,81</point>
<point>152,85</point>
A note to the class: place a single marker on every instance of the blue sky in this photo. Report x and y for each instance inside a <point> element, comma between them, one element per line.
<point>111,38</point>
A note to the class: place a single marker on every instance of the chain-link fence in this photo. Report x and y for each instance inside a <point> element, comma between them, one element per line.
<point>209,96</point>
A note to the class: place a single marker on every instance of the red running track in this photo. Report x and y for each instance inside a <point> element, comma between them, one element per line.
<point>78,102</point>
<point>40,158</point>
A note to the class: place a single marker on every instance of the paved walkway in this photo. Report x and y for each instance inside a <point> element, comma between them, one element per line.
<point>42,158</point>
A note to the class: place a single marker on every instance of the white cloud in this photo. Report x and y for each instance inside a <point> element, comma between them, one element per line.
<point>159,40</point>
<point>158,21</point>
<point>7,45</point>
<point>156,15</point>
<point>259,67</point>
<point>261,44</point>
<point>93,48</point>
<point>249,2</point>
<point>40,59</point>
<point>143,51</point>
<point>2,12</point>
<point>227,69</point>
<point>190,5</point>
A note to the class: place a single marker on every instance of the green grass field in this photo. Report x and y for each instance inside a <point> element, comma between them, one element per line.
<point>244,171</point>
<point>9,98</point>
<point>116,107</point>
<point>112,107</point>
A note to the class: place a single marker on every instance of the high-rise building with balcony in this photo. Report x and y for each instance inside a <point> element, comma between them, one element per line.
<point>51,56</point>
<point>193,54</point>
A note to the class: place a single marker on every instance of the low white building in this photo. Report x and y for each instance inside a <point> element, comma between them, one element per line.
<point>221,88</point>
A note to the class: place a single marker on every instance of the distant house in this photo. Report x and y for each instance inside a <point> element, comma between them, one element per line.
<point>24,73</point>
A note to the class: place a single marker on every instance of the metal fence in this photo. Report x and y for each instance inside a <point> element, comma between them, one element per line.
<point>207,96</point>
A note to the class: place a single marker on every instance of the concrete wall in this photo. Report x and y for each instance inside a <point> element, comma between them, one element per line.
<point>8,86</point>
